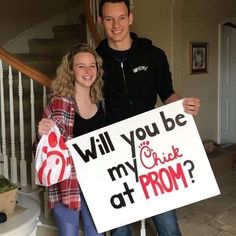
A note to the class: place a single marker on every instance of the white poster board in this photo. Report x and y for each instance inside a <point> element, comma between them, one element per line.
<point>142,166</point>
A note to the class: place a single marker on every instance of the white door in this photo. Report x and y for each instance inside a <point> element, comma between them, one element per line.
<point>228,85</point>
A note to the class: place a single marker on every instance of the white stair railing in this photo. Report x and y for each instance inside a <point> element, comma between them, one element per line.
<point>12,126</point>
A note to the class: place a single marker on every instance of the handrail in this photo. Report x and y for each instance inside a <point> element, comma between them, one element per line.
<point>90,22</point>
<point>25,69</point>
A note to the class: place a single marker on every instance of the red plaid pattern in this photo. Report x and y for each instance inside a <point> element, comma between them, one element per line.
<point>62,111</point>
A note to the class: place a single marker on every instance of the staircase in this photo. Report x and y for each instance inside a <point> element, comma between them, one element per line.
<point>46,54</point>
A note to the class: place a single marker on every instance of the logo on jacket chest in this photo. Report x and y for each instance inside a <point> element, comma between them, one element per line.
<point>140,68</point>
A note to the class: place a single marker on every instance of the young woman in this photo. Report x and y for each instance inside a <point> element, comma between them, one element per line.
<point>76,108</point>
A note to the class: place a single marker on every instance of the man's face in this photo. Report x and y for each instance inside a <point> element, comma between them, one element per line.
<point>116,21</point>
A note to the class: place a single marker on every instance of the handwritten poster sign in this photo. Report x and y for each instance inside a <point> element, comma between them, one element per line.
<point>142,166</point>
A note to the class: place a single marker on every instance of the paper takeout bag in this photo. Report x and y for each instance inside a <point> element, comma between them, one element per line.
<point>53,162</point>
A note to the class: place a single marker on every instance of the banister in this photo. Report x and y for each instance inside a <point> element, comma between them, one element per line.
<point>90,22</point>
<point>25,69</point>
<point>34,73</point>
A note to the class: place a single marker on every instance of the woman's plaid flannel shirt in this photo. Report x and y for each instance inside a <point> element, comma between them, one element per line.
<point>62,111</point>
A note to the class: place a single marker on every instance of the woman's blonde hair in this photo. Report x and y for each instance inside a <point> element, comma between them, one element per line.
<point>64,83</point>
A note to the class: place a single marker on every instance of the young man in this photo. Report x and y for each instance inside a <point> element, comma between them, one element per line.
<point>135,72</point>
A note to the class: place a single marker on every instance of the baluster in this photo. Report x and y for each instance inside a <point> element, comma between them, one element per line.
<point>1,162</point>
<point>32,103</point>
<point>46,211</point>
<point>4,157</point>
<point>12,127</point>
<point>131,4</point>
<point>89,40</point>
<point>100,29</point>
<point>44,96</point>
<point>23,169</point>
<point>143,229</point>
<point>1,156</point>
<point>93,10</point>
<point>108,233</point>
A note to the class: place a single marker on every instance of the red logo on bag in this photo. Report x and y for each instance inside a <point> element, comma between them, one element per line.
<point>54,156</point>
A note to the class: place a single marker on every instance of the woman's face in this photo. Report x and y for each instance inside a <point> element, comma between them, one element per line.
<point>85,69</point>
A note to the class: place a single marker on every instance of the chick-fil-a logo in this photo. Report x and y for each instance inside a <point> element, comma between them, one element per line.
<point>150,158</point>
<point>56,161</point>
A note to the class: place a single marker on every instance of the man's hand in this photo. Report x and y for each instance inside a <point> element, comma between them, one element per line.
<point>191,105</point>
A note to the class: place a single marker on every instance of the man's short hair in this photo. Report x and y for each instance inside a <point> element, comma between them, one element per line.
<point>102,2</point>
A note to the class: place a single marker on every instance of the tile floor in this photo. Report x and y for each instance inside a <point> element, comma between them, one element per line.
<point>215,216</point>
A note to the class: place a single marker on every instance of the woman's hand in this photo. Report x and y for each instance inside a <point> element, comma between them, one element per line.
<point>191,105</point>
<point>45,126</point>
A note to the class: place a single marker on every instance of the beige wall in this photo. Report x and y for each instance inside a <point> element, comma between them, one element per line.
<point>200,22</point>
<point>172,25</point>
<point>153,20</point>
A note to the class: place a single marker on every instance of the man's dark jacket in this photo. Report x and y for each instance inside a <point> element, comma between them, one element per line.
<point>132,85</point>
